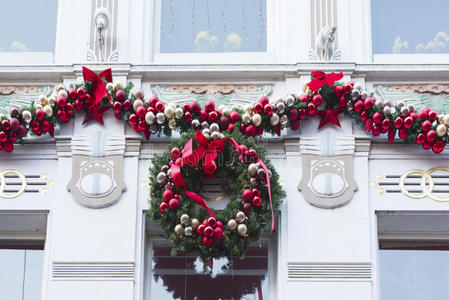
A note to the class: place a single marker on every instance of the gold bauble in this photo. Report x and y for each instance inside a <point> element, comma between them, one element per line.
<point>441,130</point>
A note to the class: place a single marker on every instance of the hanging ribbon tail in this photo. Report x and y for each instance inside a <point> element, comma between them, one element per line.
<point>200,201</point>
<point>259,292</point>
<point>234,143</point>
<point>147,133</point>
<point>391,135</point>
<point>267,178</point>
<point>177,176</point>
<point>51,130</point>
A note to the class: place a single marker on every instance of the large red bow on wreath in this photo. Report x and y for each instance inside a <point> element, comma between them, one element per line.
<point>320,78</point>
<point>98,91</point>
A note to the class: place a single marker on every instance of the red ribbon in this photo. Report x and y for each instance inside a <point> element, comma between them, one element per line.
<point>206,149</point>
<point>267,178</point>
<point>98,86</point>
<point>320,78</point>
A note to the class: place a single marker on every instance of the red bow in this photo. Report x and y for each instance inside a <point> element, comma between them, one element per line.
<point>98,86</point>
<point>206,149</point>
<point>320,78</point>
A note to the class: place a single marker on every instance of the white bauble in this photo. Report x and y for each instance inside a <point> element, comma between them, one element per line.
<point>161,176</point>
<point>290,100</point>
<point>149,118</point>
<point>240,217</point>
<point>188,231</point>
<point>179,229</point>
<point>205,124</point>
<point>399,104</point>
<point>446,119</point>
<point>195,223</point>
<point>232,224</point>
<point>184,218</point>
<point>214,127</point>
<point>256,119</point>
<point>118,85</point>
<point>60,87</point>
<point>242,229</point>
<point>280,107</point>
<point>379,103</point>
<point>355,93</point>
<point>109,86</point>
<point>205,131</point>
<point>225,111</point>
<point>48,111</point>
<point>172,124</point>
<point>248,108</point>
<point>42,99</point>
<point>160,118</point>
<point>51,100</point>
<point>387,110</point>
<point>274,119</point>
<point>37,106</point>
<point>215,135</point>
<point>179,113</point>
<point>168,112</point>
<point>137,103</point>
<point>63,93</point>
<point>364,94</point>
<point>388,103</point>
<point>283,120</point>
<point>252,170</point>
<point>404,110</point>
<point>441,130</point>
<point>246,118</point>
<point>26,115</point>
<point>138,94</point>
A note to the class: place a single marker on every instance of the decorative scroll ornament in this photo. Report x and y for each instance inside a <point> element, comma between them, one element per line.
<point>20,191</point>
<point>97,167</point>
<point>427,184</point>
<point>327,170</point>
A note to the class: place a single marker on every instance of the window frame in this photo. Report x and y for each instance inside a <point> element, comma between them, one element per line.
<point>152,44</point>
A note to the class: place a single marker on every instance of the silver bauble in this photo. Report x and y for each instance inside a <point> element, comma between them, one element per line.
<point>388,103</point>
<point>195,223</point>
<point>246,118</point>
<point>153,129</point>
<point>168,112</point>
<point>215,135</point>
<point>195,124</point>
<point>358,87</point>
<point>242,229</point>
<point>118,85</point>
<point>404,110</point>
<point>387,110</point>
<point>48,111</point>
<point>205,124</point>
<point>253,181</point>
<point>161,177</point>
<point>205,131</point>
<point>179,113</point>
<point>184,218</point>
<point>399,104</point>
<point>252,170</point>
<point>63,93</point>
<point>261,173</point>
<point>214,127</point>
<point>172,124</point>
<point>232,224</point>
<point>26,115</point>
<point>160,118</point>
<point>188,231</point>
<point>138,94</point>
<point>150,117</point>
<point>110,86</point>
<point>240,216</point>
<point>137,103</point>
<point>290,100</point>
<point>165,168</point>
<point>280,107</point>
<point>256,119</point>
<point>274,119</point>
<point>379,104</point>
<point>283,120</point>
<point>364,94</point>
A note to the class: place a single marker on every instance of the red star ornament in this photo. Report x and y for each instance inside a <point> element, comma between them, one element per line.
<point>96,113</point>
<point>329,116</point>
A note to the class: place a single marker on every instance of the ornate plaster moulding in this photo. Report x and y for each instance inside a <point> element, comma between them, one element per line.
<point>19,96</point>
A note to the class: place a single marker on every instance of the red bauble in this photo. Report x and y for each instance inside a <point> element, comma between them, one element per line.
<point>61,101</point>
<point>317,100</point>
<point>420,139</point>
<point>207,241</point>
<point>426,125</point>
<point>377,117</point>
<point>234,116</point>
<point>369,102</point>
<point>140,112</point>
<point>195,107</point>
<point>117,107</point>
<point>342,101</point>
<point>431,136</point>
<point>368,125</point>
<point>364,116</point>
<point>15,124</point>
<point>120,95</point>
<point>186,107</point>
<point>386,123</point>
<point>224,122</point>
<point>219,224</point>
<point>69,109</point>
<point>250,130</point>
<point>153,101</point>
<point>213,116</point>
<point>12,136</point>
<point>358,106</point>
<point>208,231</point>
<point>73,94</point>
<point>438,146</point>
<point>408,122</point>
<point>62,115</point>
<point>311,109</point>
<point>304,99</point>
<point>256,192</point>
<point>188,117</point>
<point>376,130</point>
<point>40,115</point>
<point>133,119</point>
<point>259,130</point>
<point>8,147</point>
<point>173,203</point>
<point>210,106</point>
<point>398,123</point>
<point>35,125</point>
<point>293,114</point>
<point>87,99</point>
<point>247,195</point>
<point>338,90</point>
<point>218,233</point>
<point>403,133</point>
<point>302,114</point>
<point>212,222</point>
<point>22,130</point>
<point>264,100</point>
<point>426,145</point>
<point>126,104</point>
<point>79,105</point>
<point>246,207</point>
<point>231,127</point>
<point>433,115</point>
<point>45,126</point>
<point>294,124</point>
<point>160,106</point>
<point>257,201</point>
<point>163,206</point>
<point>81,92</point>
<point>268,109</point>
<point>258,107</point>
<point>167,195</point>
<point>203,115</point>
<point>201,228</point>
<point>175,153</point>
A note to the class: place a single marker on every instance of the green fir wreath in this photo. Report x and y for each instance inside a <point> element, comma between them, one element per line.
<point>189,226</point>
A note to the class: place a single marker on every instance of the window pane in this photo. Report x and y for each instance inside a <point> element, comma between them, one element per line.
<point>28,25</point>
<point>414,274</point>
<point>404,26</point>
<point>185,277</point>
<point>21,274</point>
<point>213,26</point>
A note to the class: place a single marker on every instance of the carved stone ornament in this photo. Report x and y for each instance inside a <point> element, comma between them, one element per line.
<point>327,170</point>
<point>97,170</point>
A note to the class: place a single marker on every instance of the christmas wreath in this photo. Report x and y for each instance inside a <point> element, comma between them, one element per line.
<point>178,175</point>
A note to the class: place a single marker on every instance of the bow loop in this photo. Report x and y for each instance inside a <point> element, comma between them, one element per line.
<point>320,78</point>
<point>98,90</point>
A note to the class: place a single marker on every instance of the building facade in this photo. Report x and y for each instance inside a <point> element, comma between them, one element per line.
<point>371,243</point>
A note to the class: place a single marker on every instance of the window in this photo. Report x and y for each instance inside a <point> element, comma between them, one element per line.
<point>21,274</point>
<point>213,26</point>
<point>28,26</point>
<point>409,27</point>
<point>186,277</point>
